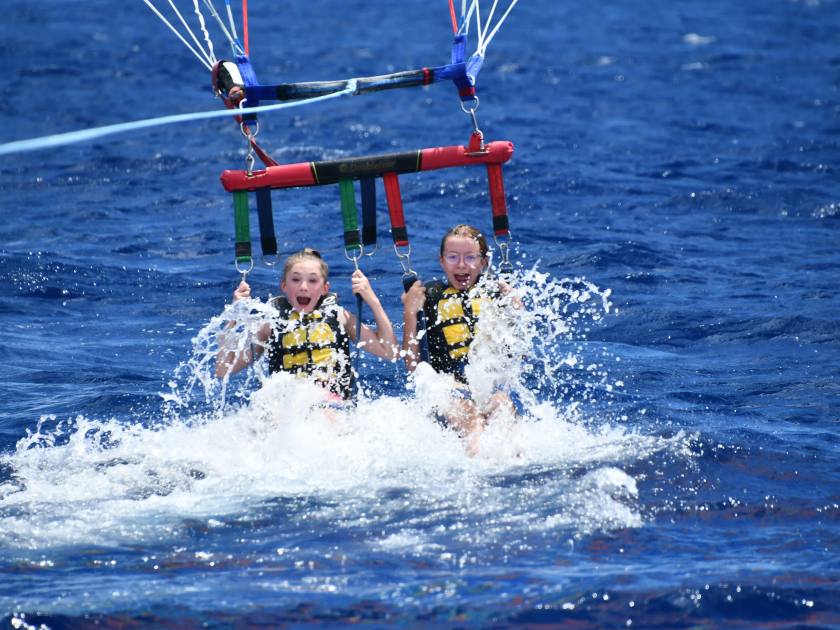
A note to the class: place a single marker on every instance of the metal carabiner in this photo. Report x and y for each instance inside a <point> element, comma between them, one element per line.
<point>404,260</point>
<point>471,112</point>
<point>355,259</point>
<point>250,136</point>
<point>476,144</point>
<point>505,266</point>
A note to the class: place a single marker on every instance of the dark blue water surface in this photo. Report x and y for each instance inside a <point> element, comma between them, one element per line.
<point>682,471</point>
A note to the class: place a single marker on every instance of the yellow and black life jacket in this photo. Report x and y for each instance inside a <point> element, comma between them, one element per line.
<point>451,317</point>
<point>312,343</point>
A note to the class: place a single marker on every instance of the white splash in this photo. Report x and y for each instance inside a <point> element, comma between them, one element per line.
<point>256,438</point>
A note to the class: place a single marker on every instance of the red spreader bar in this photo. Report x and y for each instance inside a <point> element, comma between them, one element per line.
<point>329,172</point>
<point>388,167</point>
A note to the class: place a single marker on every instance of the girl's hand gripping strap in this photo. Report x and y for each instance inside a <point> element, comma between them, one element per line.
<point>422,339</point>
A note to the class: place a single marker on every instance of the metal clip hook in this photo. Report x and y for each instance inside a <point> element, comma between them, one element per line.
<point>476,145</point>
<point>250,136</point>
<point>505,266</point>
<point>404,260</point>
<point>355,259</point>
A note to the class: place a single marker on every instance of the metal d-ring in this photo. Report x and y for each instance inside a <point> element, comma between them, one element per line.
<point>244,272</point>
<point>355,259</point>
<point>471,110</point>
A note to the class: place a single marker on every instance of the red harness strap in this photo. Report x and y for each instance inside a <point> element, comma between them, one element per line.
<point>496,183</point>
<point>395,209</point>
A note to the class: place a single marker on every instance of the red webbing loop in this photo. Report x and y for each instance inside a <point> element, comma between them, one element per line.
<point>395,209</point>
<point>265,157</point>
<point>496,185</point>
<point>452,15</point>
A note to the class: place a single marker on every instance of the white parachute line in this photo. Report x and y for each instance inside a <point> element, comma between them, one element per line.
<point>230,19</point>
<point>468,18</point>
<point>201,58</point>
<point>191,34</point>
<point>72,137</point>
<point>214,13</point>
<point>488,20</point>
<point>497,27</point>
<point>478,32</point>
<point>207,37</point>
<point>463,24</point>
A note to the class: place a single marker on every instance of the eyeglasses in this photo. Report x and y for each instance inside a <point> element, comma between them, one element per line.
<point>470,260</point>
<point>311,252</point>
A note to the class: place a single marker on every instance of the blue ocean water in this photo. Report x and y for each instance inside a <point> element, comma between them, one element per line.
<point>676,170</point>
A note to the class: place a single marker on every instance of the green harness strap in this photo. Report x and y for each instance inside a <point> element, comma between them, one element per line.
<point>352,242</point>
<point>243,227</point>
<point>350,215</point>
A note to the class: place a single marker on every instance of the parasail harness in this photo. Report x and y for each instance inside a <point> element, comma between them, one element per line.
<point>235,82</point>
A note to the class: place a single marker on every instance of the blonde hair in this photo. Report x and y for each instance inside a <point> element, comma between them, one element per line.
<point>306,254</point>
<point>462,229</point>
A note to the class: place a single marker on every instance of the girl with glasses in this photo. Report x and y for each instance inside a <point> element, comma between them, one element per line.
<point>451,311</point>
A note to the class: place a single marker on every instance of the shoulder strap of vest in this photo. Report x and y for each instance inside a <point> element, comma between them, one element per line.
<point>328,299</point>
<point>281,303</point>
<point>488,287</point>
<point>434,290</point>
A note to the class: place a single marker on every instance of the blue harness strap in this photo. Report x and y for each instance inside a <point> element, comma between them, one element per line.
<point>368,186</point>
<point>249,77</point>
<point>265,213</point>
<point>462,80</point>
